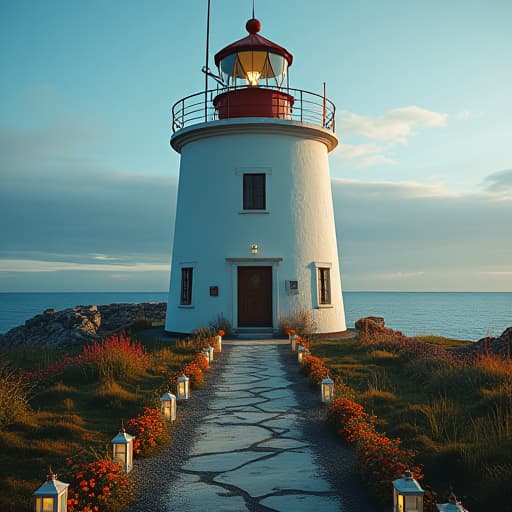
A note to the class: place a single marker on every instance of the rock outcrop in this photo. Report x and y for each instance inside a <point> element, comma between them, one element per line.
<point>496,344</point>
<point>372,326</point>
<point>81,324</point>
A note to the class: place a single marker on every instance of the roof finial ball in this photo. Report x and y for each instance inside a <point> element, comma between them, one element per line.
<point>253,26</point>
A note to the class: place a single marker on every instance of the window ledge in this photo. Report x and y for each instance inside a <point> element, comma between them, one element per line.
<point>325,306</point>
<point>244,212</point>
<point>184,306</point>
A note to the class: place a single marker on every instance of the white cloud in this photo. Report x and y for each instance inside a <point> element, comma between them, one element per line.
<point>20,265</point>
<point>391,189</point>
<point>397,275</point>
<point>395,127</point>
<point>365,155</point>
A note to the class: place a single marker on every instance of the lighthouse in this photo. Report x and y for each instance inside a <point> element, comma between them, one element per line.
<point>254,237</point>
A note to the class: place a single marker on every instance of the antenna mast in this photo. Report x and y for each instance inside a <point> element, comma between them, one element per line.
<point>206,63</point>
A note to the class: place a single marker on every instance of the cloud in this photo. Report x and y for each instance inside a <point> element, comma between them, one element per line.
<point>365,155</point>
<point>499,182</point>
<point>397,275</point>
<point>395,127</point>
<point>20,265</point>
<point>412,236</point>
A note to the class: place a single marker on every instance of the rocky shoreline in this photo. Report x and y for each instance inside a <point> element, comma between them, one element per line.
<point>82,324</point>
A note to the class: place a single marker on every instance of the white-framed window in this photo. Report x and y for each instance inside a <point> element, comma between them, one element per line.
<point>254,191</point>
<point>255,187</point>
<point>323,284</point>
<point>187,274</point>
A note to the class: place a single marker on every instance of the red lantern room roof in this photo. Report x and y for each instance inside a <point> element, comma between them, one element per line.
<point>253,42</point>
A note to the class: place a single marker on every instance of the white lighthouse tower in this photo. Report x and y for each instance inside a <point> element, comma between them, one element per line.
<point>254,237</point>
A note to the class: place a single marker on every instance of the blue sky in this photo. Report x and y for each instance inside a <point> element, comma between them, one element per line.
<point>422,181</point>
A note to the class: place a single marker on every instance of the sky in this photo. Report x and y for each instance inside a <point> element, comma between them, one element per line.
<point>421,180</point>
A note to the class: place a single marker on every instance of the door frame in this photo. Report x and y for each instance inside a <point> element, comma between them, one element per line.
<point>255,262</point>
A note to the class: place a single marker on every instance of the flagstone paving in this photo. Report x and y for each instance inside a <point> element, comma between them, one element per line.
<point>251,449</point>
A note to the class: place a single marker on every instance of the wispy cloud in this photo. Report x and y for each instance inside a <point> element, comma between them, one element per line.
<point>499,183</point>
<point>397,275</point>
<point>7,265</point>
<point>394,127</point>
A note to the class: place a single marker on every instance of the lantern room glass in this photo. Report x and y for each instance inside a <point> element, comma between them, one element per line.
<point>251,67</point>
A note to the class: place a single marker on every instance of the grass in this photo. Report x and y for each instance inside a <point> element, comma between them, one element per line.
<point>79,409</point>
<point>455,411</point>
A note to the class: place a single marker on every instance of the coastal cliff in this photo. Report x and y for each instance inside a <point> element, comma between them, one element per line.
<point>81,324</point>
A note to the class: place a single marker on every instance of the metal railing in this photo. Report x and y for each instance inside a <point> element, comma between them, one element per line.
<point>307,107</point>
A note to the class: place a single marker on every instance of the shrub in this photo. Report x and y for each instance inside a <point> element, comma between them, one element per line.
<point>117,357</point>
<point>221,324</point>
<point>202,361</point>
<point>148,429</point>
<point>301,321</point>
<point>98,486</point>
<point>13,396</point>
<point>348,419</point>
<point>195,374</point>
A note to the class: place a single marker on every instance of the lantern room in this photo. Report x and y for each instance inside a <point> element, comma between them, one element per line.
<point>254,69</point>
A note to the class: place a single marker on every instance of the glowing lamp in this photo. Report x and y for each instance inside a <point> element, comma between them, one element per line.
<point>122,449</point>
<point>210,350</point>
<point>301,352</point>
<point>253,59</point>
<point>206,354</point>
<point>52,496</point>
<point>183,388</point>
<point>219,343</point>
<point>327,390</point>
<point>168,406</point>
<point>407,494</point>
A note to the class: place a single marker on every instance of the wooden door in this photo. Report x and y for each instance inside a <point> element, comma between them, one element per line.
<point>254,296</point>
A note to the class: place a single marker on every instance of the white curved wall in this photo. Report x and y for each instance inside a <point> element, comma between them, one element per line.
<point>213,236</point>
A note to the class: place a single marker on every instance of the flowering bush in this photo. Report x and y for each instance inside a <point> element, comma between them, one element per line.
<point>220,332</point>
<point>148,429</point>
<point>315,369</point>
<point>202,361</point>
<point>117,357</point>
<point>98,486</point>
<point>379,459</point>
<point>349,419</point>
<point>195,374</point>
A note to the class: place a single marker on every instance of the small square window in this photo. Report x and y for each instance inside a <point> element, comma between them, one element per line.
<point>186,286</point>
<point>324,285</point>
<point>254,192</point>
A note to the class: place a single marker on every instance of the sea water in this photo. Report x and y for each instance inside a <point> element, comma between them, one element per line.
<point>461,315</point>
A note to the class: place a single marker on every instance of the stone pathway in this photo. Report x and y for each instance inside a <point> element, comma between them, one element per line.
<point>250,453</point>
<point>254,439</point>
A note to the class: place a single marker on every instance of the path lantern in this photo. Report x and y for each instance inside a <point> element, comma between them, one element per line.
<point>122,450</point>
<point>407,494</point>
<point>327,390</point>
<point>219,343</point>
<point>206,354</point>
<point>301,352</point>
<point>210,353</point>
<point>183,388</point>
<point>453,505</point>
<point>168,407</point>
<point>52,496</point>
